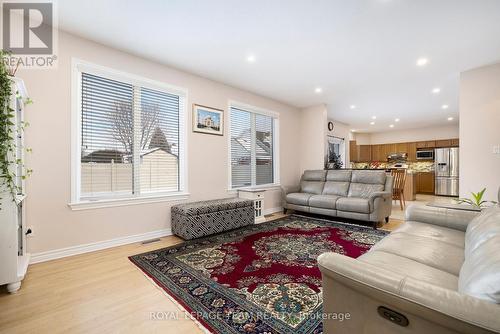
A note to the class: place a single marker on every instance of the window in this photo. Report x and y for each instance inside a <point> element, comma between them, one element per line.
<point>130,136</point>
<point>252,147</point>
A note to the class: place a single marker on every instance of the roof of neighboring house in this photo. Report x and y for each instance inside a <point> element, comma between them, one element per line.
<point>243,141</point>
<point>104,156</point>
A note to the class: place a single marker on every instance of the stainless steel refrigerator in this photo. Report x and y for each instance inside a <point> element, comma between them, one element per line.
<point>446,171</point>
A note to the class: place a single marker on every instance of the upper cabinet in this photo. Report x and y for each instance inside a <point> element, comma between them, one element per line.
<point>379,152</point>
<point>365,153</point>
<point>426,144</point>
<point>412,151</point>
<point>353,151</point>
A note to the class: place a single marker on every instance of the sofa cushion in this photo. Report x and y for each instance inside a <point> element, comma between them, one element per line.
<point>364,190</point>
<point>336,188</point>
<point>339,175</point>
<point>437,254</point>
<point>353,204</point>
<point>323,201</point>
<point>369,177</point>
<point>411,268</point>
<point>298,198</point>
<point>314,175</point>
<point>312,187</point>
<point>439,233</point>
<point>480,273</point>
<point>486,225</point>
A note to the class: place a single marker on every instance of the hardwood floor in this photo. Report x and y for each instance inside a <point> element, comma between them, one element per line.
<point>98,292</point>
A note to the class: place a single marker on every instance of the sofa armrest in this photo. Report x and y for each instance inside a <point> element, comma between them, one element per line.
<point>451,218</point>
<point>290,189</point>
<point>285,190</point>
<point>382,194</point>
<point>410,296</point>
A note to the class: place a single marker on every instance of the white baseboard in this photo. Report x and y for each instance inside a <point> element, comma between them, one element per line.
<point>272,210</point>
<point>95,246</point>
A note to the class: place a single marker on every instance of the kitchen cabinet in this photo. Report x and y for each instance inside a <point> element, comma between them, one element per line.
<point>365,153</point>
<point>443,143</point>
<point>401,148</point>
<point>425,182</point>
<point>379,152</point>
<point>353,151</point>
<point>412,151</point>
<point>376,153</point>
<point>426,144</point>
<point>391,148</point>
<point>430,144</point>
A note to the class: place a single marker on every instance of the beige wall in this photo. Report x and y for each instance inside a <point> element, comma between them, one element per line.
<point>480,131</point>
<point>54,224</point>
<point>312,137</point>
<point>401,136</point>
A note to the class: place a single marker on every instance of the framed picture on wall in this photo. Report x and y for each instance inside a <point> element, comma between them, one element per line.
<point>208,120</point>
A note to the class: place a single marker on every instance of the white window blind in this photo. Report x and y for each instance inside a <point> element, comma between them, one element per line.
<point>252,151</point>
<point>129,139</point>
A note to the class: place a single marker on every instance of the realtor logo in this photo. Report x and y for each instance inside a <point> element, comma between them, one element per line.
<point>28,34</point>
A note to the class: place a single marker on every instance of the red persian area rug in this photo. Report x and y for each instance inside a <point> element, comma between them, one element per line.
<point>258,279</point>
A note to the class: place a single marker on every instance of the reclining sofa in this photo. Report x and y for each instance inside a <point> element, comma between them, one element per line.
<point>439,272</point>
<point>355,194</point>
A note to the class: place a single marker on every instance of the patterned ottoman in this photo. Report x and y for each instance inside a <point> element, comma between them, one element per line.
<point>199,219</point>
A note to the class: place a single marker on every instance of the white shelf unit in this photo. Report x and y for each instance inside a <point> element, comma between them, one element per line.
<point>14,258</point>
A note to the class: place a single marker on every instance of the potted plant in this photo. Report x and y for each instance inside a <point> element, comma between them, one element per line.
<point>476,200</point>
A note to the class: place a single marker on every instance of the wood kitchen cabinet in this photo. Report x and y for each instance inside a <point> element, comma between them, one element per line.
<point>425,182</point>
<point>365,153</point>
<point>443,143</point>
<point>376,153</point>
<point>426,144</point>
<point>412,151</point>
<point>402,148</point>
<point>353,151</point>
<point>379,152</point>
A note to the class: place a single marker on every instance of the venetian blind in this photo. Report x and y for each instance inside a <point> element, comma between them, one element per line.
<point>129,139</point>
<point>251,148</point>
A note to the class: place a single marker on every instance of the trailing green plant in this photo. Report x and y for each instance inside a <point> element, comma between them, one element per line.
<point>476,200</point>
<point>7,131</point>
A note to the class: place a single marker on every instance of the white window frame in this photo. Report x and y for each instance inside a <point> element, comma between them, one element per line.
<point>77,203</point>
<point>276,153</point>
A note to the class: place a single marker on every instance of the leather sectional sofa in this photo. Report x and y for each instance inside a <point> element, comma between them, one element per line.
<point>354,194</point>
<point>439,272</point>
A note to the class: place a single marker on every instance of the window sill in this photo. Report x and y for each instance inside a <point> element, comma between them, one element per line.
<point>114,202</point>
<point>261,187</point>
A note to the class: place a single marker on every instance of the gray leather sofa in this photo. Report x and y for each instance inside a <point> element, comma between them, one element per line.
<point>440,270</point>
<point>354,194</point>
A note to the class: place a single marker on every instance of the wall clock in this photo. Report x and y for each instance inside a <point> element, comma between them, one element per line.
<point>330,126</point>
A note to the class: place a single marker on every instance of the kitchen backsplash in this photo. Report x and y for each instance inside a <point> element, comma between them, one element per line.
<point>425,166</point>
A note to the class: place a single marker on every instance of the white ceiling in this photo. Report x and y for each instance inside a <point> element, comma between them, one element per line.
<point>360,52</point>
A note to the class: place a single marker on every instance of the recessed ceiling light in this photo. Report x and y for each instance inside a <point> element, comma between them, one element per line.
<point>445,106</point>
<point>251,59</point>
<point>352,130</point>
<point>396,120</point>
<point>422,61</point>
<point>318,90</point>
<point>436,90</point>
<point>391,126</point>
<point>352,106</point>
<point>450,118</point>
<point>374,117</point>
<point>372,123</point>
